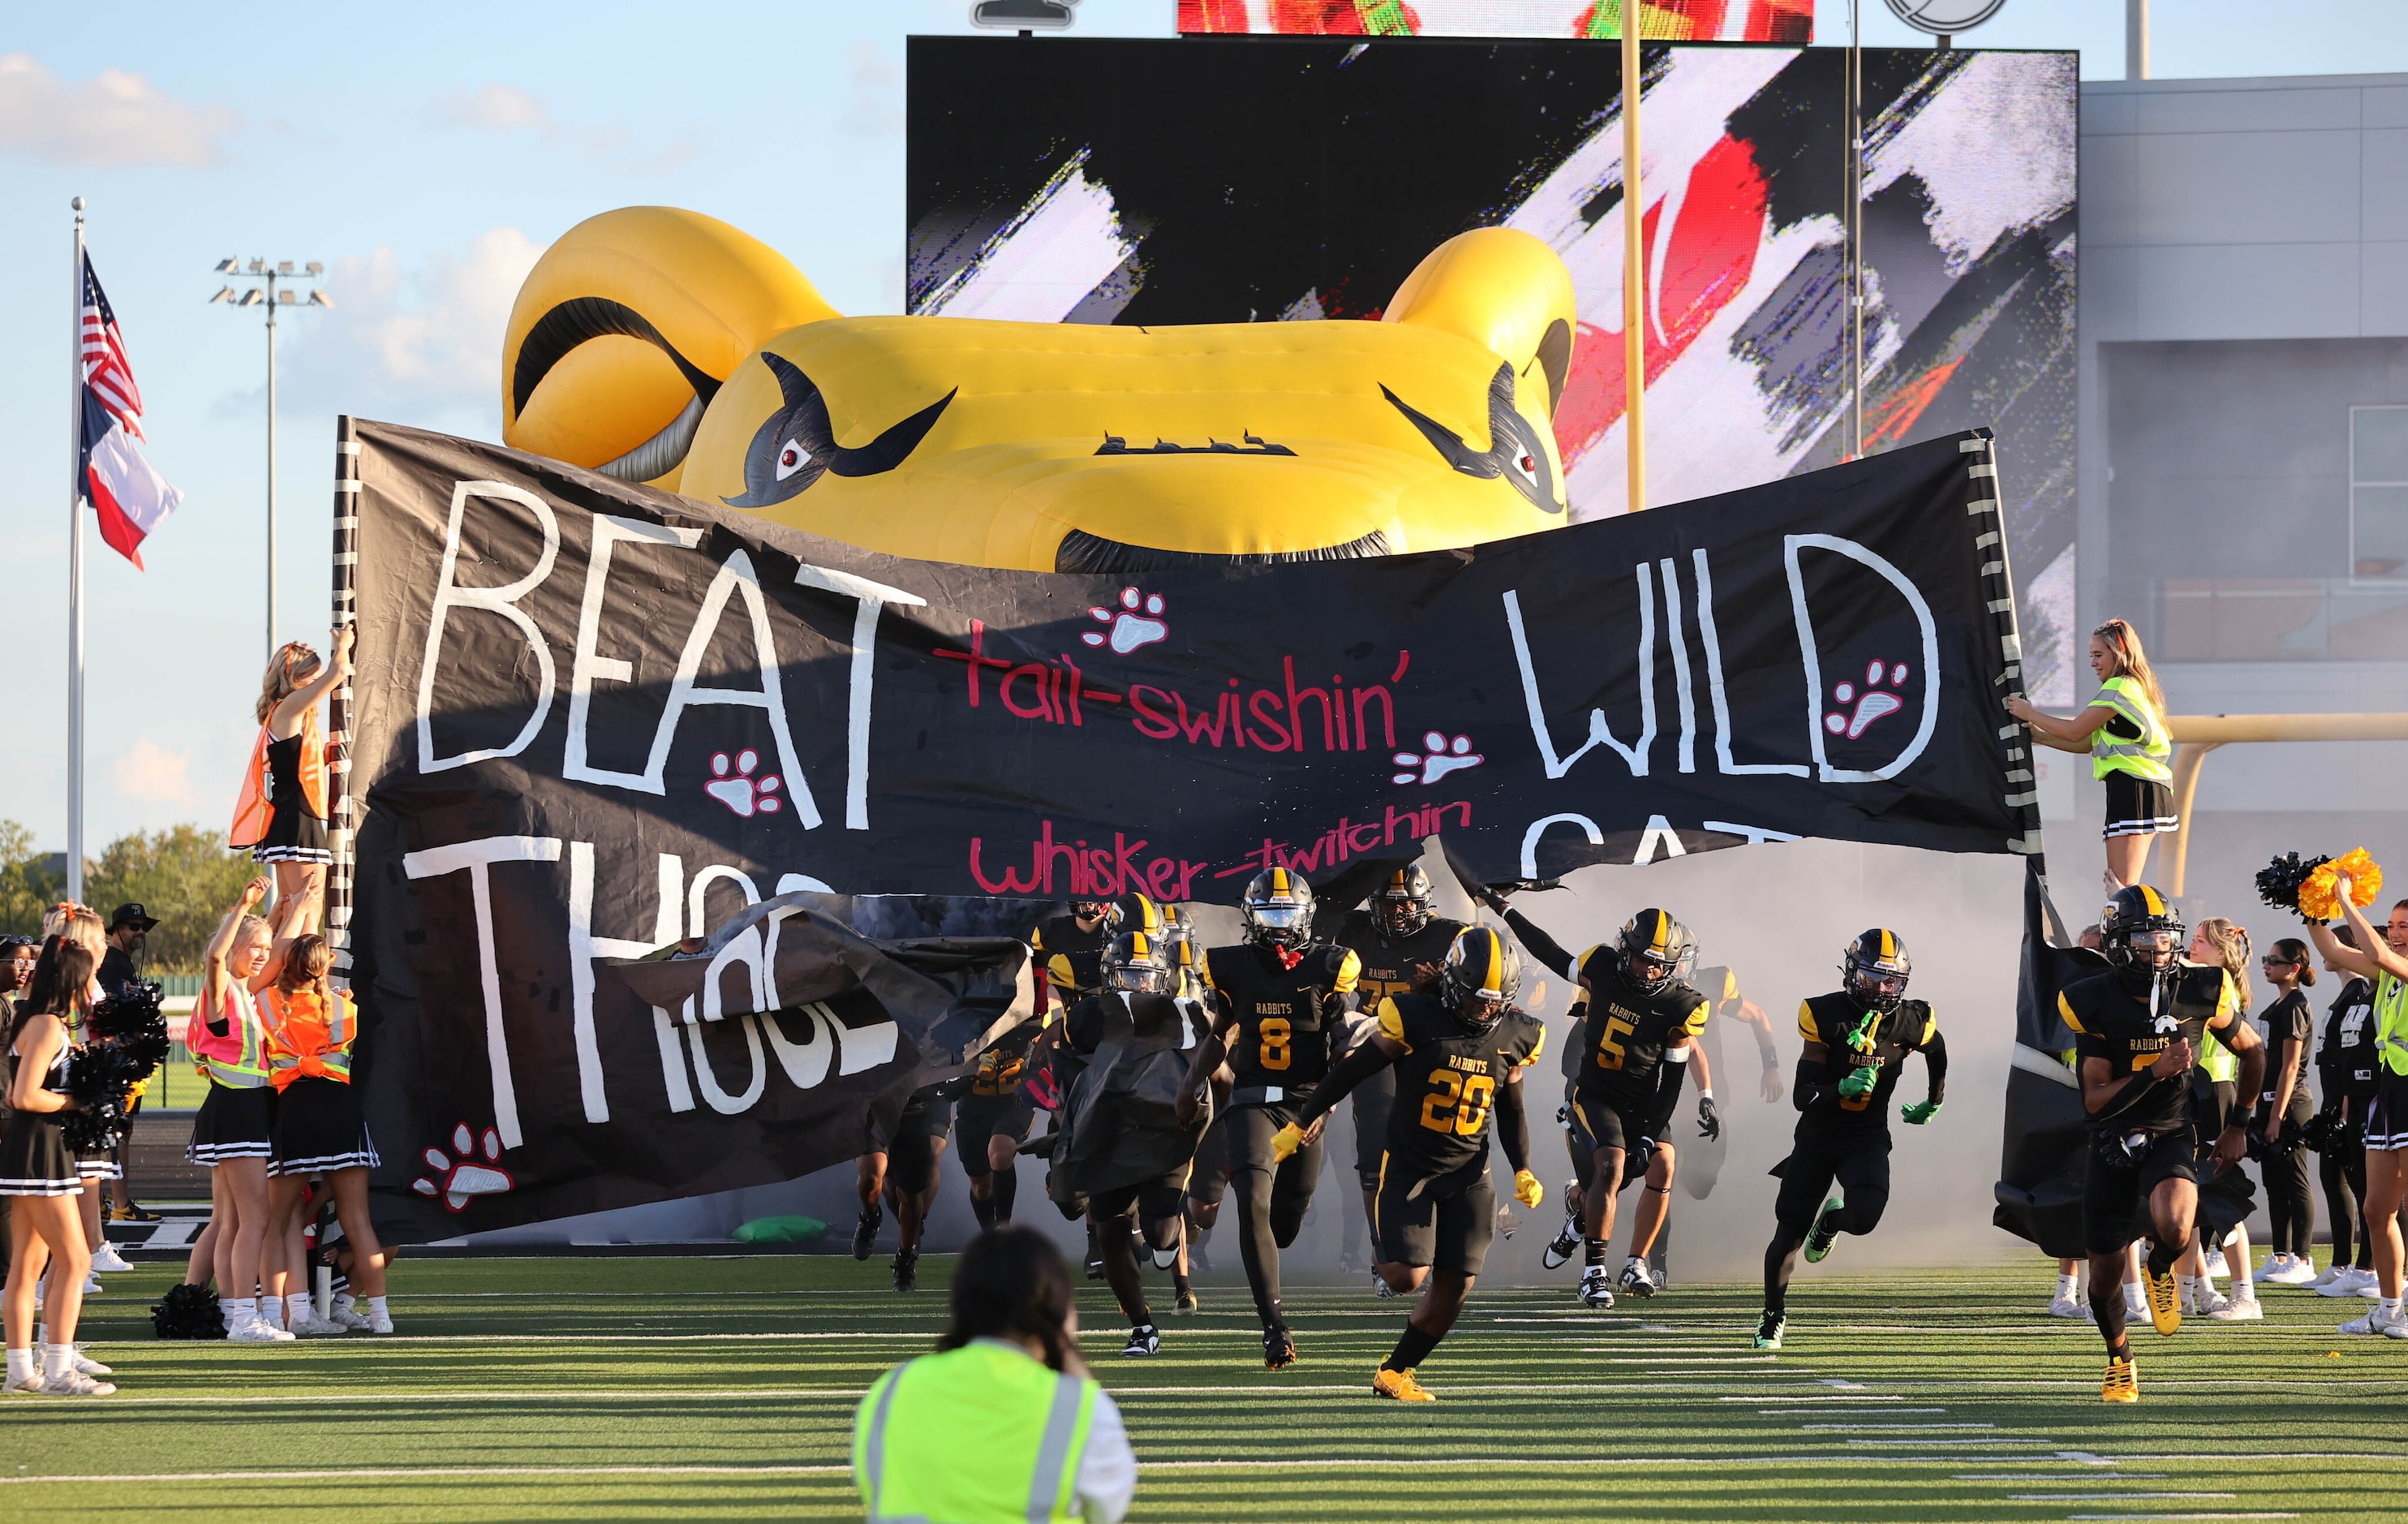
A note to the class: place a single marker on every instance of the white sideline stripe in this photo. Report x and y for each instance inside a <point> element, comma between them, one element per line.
<point>1885,1427</point>
<point>2179,1515</point>
<point>2050,1476</point>
<point>1834,1398</point>
<point>2105,1497</point>
<point>1827,1412</point>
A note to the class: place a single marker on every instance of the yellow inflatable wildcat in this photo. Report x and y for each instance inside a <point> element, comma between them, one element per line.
<point>665,346</point>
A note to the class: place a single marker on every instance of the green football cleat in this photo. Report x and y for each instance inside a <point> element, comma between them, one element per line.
<point>1769,1331</point>
<point>1826,1228</point>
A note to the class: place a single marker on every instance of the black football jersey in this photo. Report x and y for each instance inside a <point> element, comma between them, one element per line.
<point>1446,1082</point>
<point>1626,1032</point>
<point>1408,966</point>
<point>1071,957</point>
<point>2130,1030</point>
<point>1005,1063</point>
<point>1283,1014</point>
<point>1832,1020</point>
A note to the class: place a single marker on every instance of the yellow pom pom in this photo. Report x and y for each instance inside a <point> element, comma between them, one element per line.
<point>2320,895</point>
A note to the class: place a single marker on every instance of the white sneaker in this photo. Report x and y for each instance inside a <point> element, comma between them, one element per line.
<point>89,1366</point>
<point>2237,1309</point>
<point>2210,1303</point>
<point>2216,1269</point>
<point>91,1285</point>
<point>1380,1287</point>
<point>350,1319</point>
<point>106,1260</point>
<point>2340,1281</point>
<point>2067,1307</point>
<point>257,1330</point>
<point>75,1384</point>
<point>2331,1273</point>
<point>2374,1322</point>
<point>314,1327</point>
<point>31,1386</point>
<point>379,1322</point>
<point>2284,1269</point>
<point>2368,1288</point>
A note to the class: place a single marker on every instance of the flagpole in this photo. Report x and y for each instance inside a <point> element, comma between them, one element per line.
<point>74,574</point>
<point>1634,272</point>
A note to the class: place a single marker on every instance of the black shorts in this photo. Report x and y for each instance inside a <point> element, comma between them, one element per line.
<point>1857,1161</point>
<point>1208,1178</point>
<point>2387,1115</point>
<point>1372,1100</point>
<point>2226,1198</point>
<point>980,1117</point>
<point>2115,1197</point>
<point>1157,1201</point>
<point>911,1151</point>
<point>1444,1221</point>
<point>1599,1124</point>
<point>2137,806</point>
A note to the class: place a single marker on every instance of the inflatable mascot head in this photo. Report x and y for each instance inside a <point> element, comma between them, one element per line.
<point>664,347</point>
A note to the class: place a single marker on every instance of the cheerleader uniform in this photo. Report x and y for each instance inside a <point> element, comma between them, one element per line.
<point>281,815</point>
<point>236,1120</point>
<point>317,1126</point>
<point>103,1165</point>
<point>34,1157</point>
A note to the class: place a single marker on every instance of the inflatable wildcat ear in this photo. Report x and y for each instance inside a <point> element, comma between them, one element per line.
<point>627,328</point>
<point>1505,291</point>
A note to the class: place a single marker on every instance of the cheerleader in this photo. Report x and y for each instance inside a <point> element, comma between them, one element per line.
<point>231,1136</point>
<point>38,1171</point>
<point>280,815</point>
<point>2123,730</point>
<point>319,1128</point>
<point>80,925</point>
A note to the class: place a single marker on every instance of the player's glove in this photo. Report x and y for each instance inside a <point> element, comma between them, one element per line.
<point>1861,1040</point>
<point>1920,1112</point>
<point>1527,1188</point>
<point>1286,1142</point>
<point>1860,1082</point>
<point>1709,1122</point>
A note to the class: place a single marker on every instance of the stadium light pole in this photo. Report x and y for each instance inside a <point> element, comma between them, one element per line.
<point>261,290</point>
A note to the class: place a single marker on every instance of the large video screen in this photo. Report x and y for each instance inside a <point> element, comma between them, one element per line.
<point>1213,181</point>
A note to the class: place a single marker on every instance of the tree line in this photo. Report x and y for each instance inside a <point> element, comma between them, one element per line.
<point>183,875</point>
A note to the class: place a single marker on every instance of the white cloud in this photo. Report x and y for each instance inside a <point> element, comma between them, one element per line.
<point>496,109</point>
<point>873,99</point>
<point>500,109</point>
<point>153,774</point>
<point>407,342</point>
<point>113,118</point>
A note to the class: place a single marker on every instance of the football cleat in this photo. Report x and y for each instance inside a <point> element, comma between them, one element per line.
<point>1278,1346</point>
<point>1769,1328</point>
<point>2122,1383</point>
<point>2165,1301</point>
<point>1637,1279</point>
<point>864,1233</point>
<point>1144,1339</point>
<point>1400,1386</point>
<point>1183,1303</point>
<point>1593,1291</point>
<point>1566,1243</point>
<point>1826,1228</point>
<point>1381,1289</point>
<point>907,1270</point>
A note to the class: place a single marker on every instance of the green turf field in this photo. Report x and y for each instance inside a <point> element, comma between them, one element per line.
<point>651,1389</point>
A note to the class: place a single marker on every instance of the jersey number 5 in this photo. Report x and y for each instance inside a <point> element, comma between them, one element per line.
<point>1609,1047</point>
<point>1274,1033</point>
<point>1458,1103</point>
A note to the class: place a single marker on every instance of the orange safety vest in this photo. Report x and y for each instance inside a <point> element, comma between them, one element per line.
<point>252,808</point>
<point>302,1039</point>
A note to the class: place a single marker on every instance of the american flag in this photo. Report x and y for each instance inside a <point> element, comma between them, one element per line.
<point>127,495</point>
<point>106,368</point>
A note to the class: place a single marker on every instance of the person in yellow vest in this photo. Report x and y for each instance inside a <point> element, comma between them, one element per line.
<point>2382,956</point>
<point>2123,730</point>
<point>1002,1425</point>
<point>231,1136</point>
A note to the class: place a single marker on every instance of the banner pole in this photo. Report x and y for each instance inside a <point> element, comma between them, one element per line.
<point>338,703</point>
<point>1856,231</point>
<point>1634,271</point>
<point>75,573</point>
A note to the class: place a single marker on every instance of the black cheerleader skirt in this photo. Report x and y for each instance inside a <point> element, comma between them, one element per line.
<point>33,1158</point>
<point>319,1128</point>
<point>232,1123</point>
<point>293,834</point>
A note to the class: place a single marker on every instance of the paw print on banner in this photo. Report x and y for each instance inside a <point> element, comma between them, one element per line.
<point>1875,702</point>
<point>1439,758</point>
<point>739,789</point>
<point>1137,623</point>
<point>458,1177</point>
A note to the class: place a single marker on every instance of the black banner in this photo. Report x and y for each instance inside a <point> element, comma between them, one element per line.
<point>2047,1136</point>
<point>591,718</point>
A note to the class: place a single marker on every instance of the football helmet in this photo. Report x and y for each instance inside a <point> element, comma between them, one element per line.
<point>1401,906</point>
<point>1657,951</point>
<point>1874,970</point>
<point>1481,976</point>
<point>1137,963</point>
<point>1278,909</point>
<point>2140,934</point>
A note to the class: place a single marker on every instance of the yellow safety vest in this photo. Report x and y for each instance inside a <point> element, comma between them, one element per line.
<point>2144,758</point>
<point>2391,1023</point>
<point>984,1434</point>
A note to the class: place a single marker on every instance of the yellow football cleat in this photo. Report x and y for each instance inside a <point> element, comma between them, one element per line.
<point>2123,1383</point>
<point>1527,1188</point>
<point>2165,1302</point>
<point>1400,1386</point>
<point>1286,1142</point>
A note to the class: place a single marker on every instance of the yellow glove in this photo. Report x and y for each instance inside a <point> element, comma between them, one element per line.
<point>1527,1188</point>
<point>1286,1142</point>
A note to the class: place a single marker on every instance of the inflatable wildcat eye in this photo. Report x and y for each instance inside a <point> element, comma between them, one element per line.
<point>792,458</point>
<point>797,445</point>
<point>1513,451</point>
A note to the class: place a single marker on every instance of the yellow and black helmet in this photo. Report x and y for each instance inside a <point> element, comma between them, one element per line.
<point>1482,974</point>
<point>1657,951</point>
<point>1874,970</point>
<point>1278,909</point>
<point>2131,912</point>
<point>1137,963</point>
<point>1139,914</point>
<point>1096,908</point>
<point>1400,906</point>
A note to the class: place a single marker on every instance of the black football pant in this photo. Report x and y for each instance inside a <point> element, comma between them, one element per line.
<point>1272,1199</point>
<point>2343,1167</point>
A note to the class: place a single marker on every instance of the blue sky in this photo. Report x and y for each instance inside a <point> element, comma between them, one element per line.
<point>426,155</point>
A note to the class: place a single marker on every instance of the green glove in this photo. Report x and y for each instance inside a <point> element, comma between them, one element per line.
<point>1861,1039</point>
<point>1920,1112</point>
<point>1860,1082</point>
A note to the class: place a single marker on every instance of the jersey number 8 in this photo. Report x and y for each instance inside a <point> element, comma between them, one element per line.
<point>1459,1103</point>
<point>1274,1033</point>
<point>1609,1047</point>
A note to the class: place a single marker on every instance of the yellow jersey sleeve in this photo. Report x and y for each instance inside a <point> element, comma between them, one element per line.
<point>2228,1000</point>
<point>2065,1011</point>
<point>1392,1022</point>
<point>1729,990</point>
<point>1806,1027</point>
<point>1930,1029</point>
<point>1204,972</point>
<point>1695,1021</point>
<point>1536,1048</point>
<point>1349,972</point>
<point>1580,964</point>
<point>1059,972</point>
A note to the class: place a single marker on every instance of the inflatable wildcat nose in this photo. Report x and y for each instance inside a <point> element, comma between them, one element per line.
<point>665,347</point>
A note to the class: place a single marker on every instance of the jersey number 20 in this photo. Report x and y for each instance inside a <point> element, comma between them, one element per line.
<point>1458,1103</point>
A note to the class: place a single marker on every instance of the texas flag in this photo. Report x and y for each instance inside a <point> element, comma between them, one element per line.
<point>130,497</point>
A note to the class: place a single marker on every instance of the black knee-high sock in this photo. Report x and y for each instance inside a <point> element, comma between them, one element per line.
<point>983,1208</point>
<point>1412,1349</point>
<point>2162,1255</point>
<point>2107,1306</point>
<point>1780,1263</point>
<point>1007,1185</point>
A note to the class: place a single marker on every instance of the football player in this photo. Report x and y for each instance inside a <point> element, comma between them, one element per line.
<point>1068,948</point>
<point>1637,1039</point>
<point>898,1169</point>
<point>1857,1044</point>
<point>2137,1029</point>
<point>1402,946</point>
<point>1280,998</point>
<point>1458,1053</point>
<point>992,1118</point>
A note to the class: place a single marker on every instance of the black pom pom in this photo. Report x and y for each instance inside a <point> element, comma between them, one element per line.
<point>2278,882</point>
<point>127,1042</point>
<point>189,1312</point>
